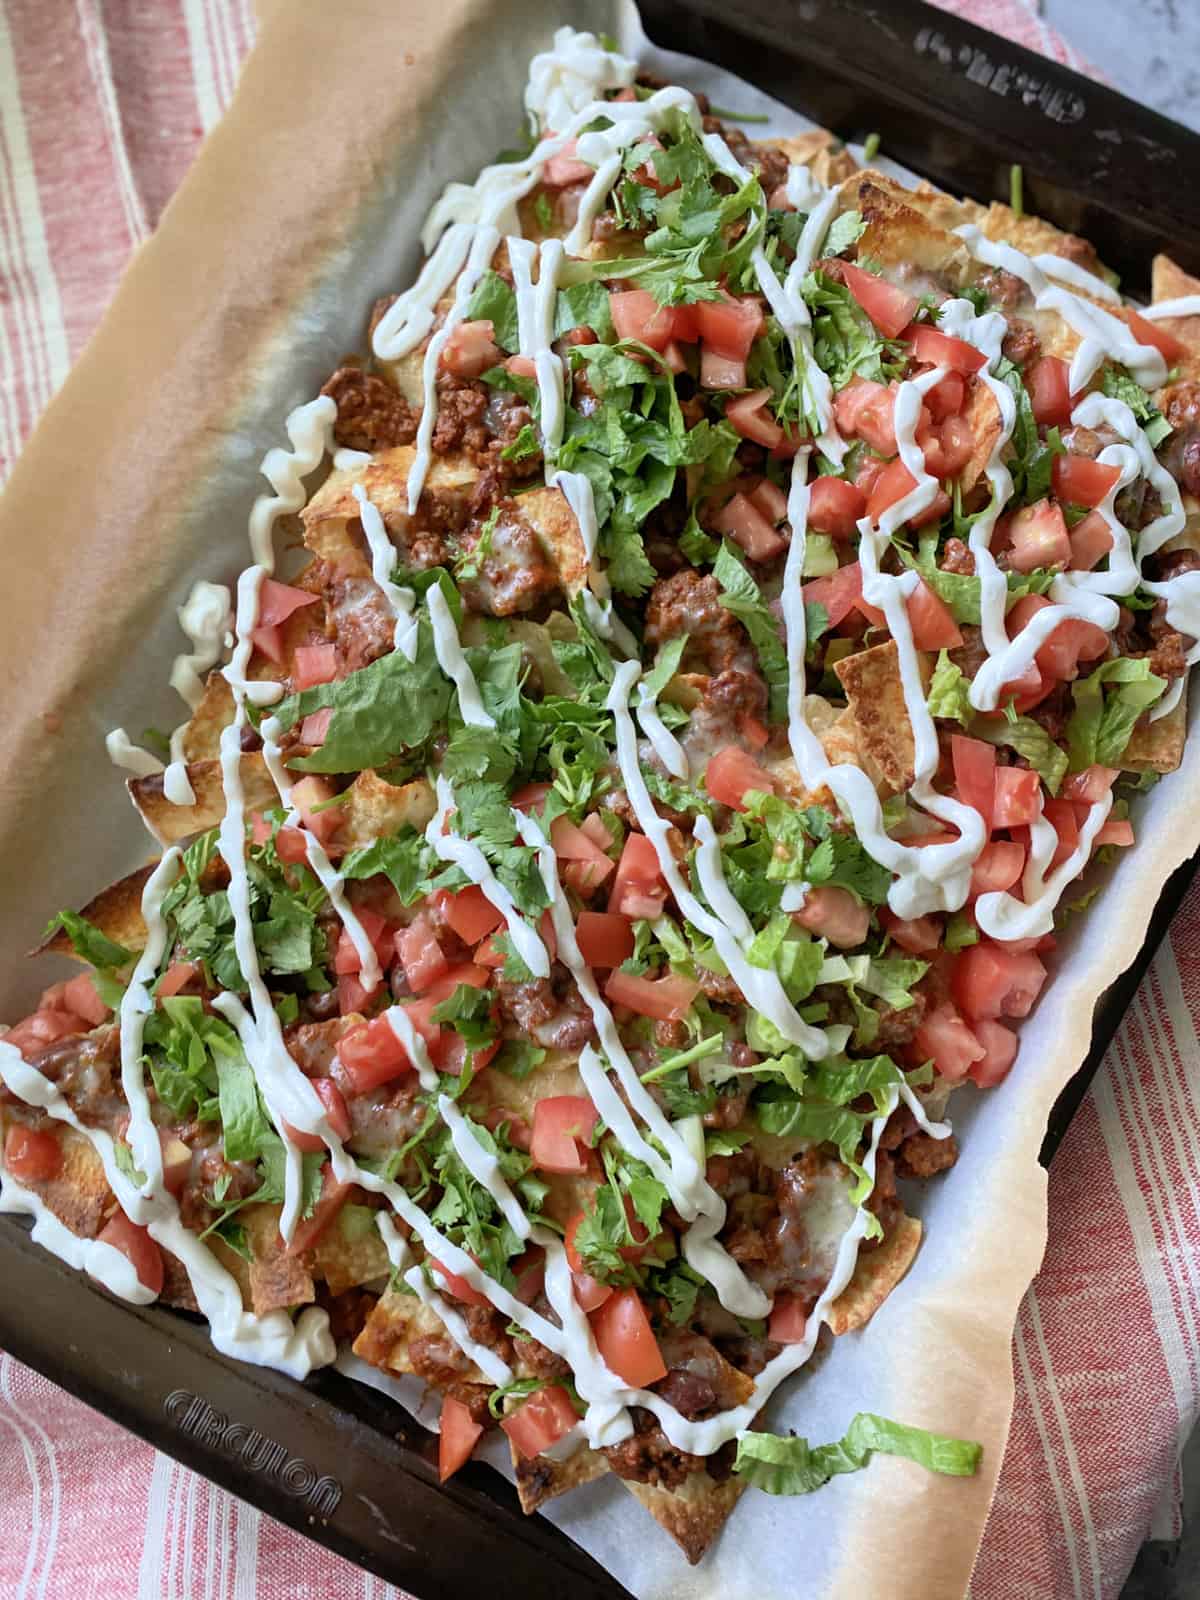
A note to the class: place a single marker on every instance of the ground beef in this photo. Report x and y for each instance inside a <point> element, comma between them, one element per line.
<point>86,1068</point>
<point>688,603</point>
<point>1171,563</point>
<point>1054,712</point>
<point>1004,289</point>
<point>486,1326</point>
<point>357,615</point>
<point>729,1109</point>
<point>437,1359</point>
<point>648,1456</point>
<point>551,1011</point>
<point>956,557</point>
<point>1020,343</point>
<point>348,1313</point>
<point>461,410</point>
<point>1168,659</point>
<point>738,694</point>
<point>1070,247</point>
<point>883,1200</point>
<point>371,414</point>
<point>475,1397</point>
<point>970,655</point>
<point>897,1027</point>
<point>515,575</point>
<point>505,416</point>
<point>690,1394</point>
<point>527,1004</point>
<point>921,1155</point>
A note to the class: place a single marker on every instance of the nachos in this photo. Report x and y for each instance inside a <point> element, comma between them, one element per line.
<point>740,596</point>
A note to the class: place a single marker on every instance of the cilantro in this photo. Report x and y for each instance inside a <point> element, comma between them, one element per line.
<point>1102,725</point>
<point>1033,458</point>
<point>89,942</point>
<point>404,858</point>
<point>469,1012</point>
<point>584,305</point>
<point>790,1465</point>
<point>494,301</point>
<point>841,859</point>
<point>466,568</point>
<point>845,342</point>
<point>517,1058</point>
<point>679,1286</point>
<point>742,596</point>
<point>527,443</point>
<point>844,231</point>
<point>695,545</point>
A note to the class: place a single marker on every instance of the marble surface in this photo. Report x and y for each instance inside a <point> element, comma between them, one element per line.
<point>1150,49</point>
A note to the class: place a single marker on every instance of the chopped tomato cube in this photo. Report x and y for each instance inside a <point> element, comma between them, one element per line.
<point>471,349</point>
<point>729,326</point>
<point>1049,391</point>
<point>999,864</point>
<point>1038,537</point>
<point>789,1318</point>
<point>932,621</point>
<point>749,416</point>
<point>351,995</point>
<point>530,796</point>
<point>741,519</point>
<point>1089,786</point>
<point>665,999</point>
<point>589,864</point>
<point>177,977</point>
<point>946,1040</point>
<point>723,372</point>
<point>291,845</point>
<point>458,1434</point>
<point>332,1198</point>
<point>346,958</point>
<point>469,912</point>
<point>839,593</point>
<point>835,506</point>
<point>589,1291</point>
<point>312,792</point>
<point>1000,1051</point>
<point>540,1421</point>
<point>889,308</point>
<point>561,1123</point>
<point>1080,480</point>
<point>638,889</point>
<point>947,446</point>
<point>1091,540</point>
<point>562,170</point>
<point>42,1028</point>
<point>315,727</point>
<point>974,773</point>
<point>865,409</point>
<point>933,348</point>
<point>419,952</point>
<point>81,999</point>
<point>605,939</point>
<point>371,1054</point>
<point>1116,831</point>
<point>637,315</point>
<point>834,914</point>
<point>1061,813</point>
<point>138,1248</point>
<point>30,1155</point>
<point>1015,801</point>
<point>894,482</point>
<point>336,1113</point>
<point>277,602</point>
<point>731,775</point>
<point>946,398</point>
<point>920,936</point>
<point>468,972</point>
<point>626,1340</point>
<point>529,1269</point>
<point>457,1286</point>
<point>1146,332</point>
<point>990,980</point>
<point>313,664</point>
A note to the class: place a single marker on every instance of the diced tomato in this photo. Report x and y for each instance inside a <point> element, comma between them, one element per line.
<point>626,1340</point>
<point>315,727</point>
<point>605,939</point>
<point>176,1162</point>
<point>1071,642</point>
<point>1049,391</point>
<point>593,826</point>
<point>742,520</point>
<point>313,664</point>
<point>81,999</point>
<point>684,324</point>
<point>268,641</point>
<point>889,308</point>
<point>665,999</point>
<point>529,1269</point>
<point>309,793</point>
<point>920,936</point>
<point>998,865</point>
<point>260,828</point>
<point>893,483</point>
<point>947,446</point>
<point>674,357</point>
<point>1038,537</point>
<point>519,1135</point>
<point>32,1156</point>
<point>139,1249</point>
<point>789,1319</point>
<point>1061,814</point>
<point>1000,1047</point>
<point>839,592</point>
<point>575,844</point>
<point>1116,831</point>
<point>291,845</point>
<point>637,315</point>
<point>540,1421</point>
<point>585,877</point>
<point>946,398</point>
<point>834,914</point>
<point>1015,802</point>
<point>589,1292</point>
<point>530,796</point>
<point>946,1040</point>
<point>561,1124</point>
<point>34,1033</point>
<point>1091,540</point>
<point>332,1198</point>
<point>1090,786</point>
<point>749,416</point>
<point>991,981</point>
<point>932,621</point>
<point>470,973</point>
<point>1146,332</point>
<point>457,1433</point>
<point>974,773</point>
<point>419,953</point>
<point>729,326</point>
<point>564,169</point>
<point>277,601</point>
<point>336,1113</point>
<point>377,929</point>
<point>754,732</point>
<point>469,912</point>
<point>933,348</point>
<point>834,507</point>
<point>638,889</point>
<point>866,410</point>
<point>352,996</point>
<point>770,500</point>
<point>1080,480</point>
<point>732,774</point>
<point>471,349</point>
<point>723,372</point>
<point>372,1054</point>
<point>521,366</point>
<point>457,1286</point>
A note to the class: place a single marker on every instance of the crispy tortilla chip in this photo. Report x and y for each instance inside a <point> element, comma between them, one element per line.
<point>78,1195</point>
<point>345,1263</point>
<point>1170,282</point>
<point>276,1278</point>
<point>876,1274</point>
<point>1158,746</point>
<point>544,1479</point>
<point>871,679</point>
<point>1035,236</point>
<point>396,1320</point>
<point>983,415</point>
<point>822,152</point>
<point>693,1514</point>
<point>374,808</point>
<point>899,234</point>
<point>202,737</point>
<point>116,911</point>
<point>170,823</point>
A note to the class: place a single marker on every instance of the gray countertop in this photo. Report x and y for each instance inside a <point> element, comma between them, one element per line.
<point>1150,49</point>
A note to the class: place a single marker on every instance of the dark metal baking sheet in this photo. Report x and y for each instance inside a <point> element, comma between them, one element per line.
<point>344,1464</point>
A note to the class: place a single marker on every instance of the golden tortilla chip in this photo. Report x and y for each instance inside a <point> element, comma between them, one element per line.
<point>202,737</point>
<point>871,679</point>
<point>171,823</point>
<point>1158,746</point>
<point>876,1274</point>
<point>983,415</point>
<point>822,152</point>
<point>78,1195</point>
<point>276,1278</point>
<point>344,1263</point>
<point>693,1514</point>
<point>373,808</point>
<point>1035,236</point>
<point>897,233</point>
<point>543,1478</point>
<point>1171,282</point>
<point>116,911</point>
<point>396,1320</point>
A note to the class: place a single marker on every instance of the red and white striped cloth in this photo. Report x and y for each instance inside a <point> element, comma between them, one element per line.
<point>102,106</point>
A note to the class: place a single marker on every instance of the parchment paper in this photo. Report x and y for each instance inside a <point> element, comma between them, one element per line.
<point>304,206</point>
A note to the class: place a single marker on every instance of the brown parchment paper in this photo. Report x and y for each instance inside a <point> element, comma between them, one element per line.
<point>302,208</point>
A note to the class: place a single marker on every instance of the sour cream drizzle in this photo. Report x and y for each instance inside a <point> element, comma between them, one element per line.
<point>383,564</point>
<point>1184,305</point>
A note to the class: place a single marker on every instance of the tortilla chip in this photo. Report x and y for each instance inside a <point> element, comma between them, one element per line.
<point>395,1321</point>
<point>277,1279</point>
<point>1036,236</point>
<point>986,423</point>
<point>384,479</point>
<point>694,1513</point>
<point>1170,282</point>
<point>374,808</point>
<point>202,736</point>
<point>822,152</point>
<point>1158,746</point>
<point>170,823</point>
<point>78,1195</point>
<point>897,233</point>
<point>876,1274</point>
<point>116,911</point>
<point>346,1263</point>
<point>543,1478</point>
<point>871,679</point>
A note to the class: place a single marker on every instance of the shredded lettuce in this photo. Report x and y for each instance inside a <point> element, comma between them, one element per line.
<point>949,692</point>
<point>781,1464</point>
<point>741,595</point>
<point>1028,739</point>
<point>1102,725</point>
